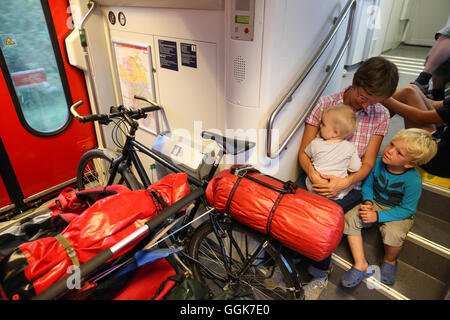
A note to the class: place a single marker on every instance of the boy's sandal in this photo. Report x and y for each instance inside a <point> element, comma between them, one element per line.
<point>353,277</point>
<point>388,272</point>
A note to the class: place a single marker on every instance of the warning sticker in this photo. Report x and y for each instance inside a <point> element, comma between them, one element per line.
<point>189,55</point>
<point>168,57</point>
<point>8,40</point>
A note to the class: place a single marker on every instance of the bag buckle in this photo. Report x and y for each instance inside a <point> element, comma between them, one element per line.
<point>241,170</point>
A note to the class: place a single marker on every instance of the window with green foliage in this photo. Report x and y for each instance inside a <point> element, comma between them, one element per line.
<point>31,62</point>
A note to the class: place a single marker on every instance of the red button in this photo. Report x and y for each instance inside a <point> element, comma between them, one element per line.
<point>246,30</point>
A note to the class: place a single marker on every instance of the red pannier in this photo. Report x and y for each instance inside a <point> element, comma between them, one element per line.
<point>69,204</point>
<point>36,265</point>
<point>301,220</point>
<point>150,282</point>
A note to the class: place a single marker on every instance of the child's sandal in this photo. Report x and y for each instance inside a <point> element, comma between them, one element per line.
<point>388,273</point>
<point>353,277</point>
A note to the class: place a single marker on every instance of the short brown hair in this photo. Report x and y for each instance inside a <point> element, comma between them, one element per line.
<point>377,76</point>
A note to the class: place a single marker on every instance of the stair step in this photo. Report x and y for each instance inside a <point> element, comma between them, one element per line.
<point>426,247</point>
<point>335,291</point>
<point>423,265</point>
<point>425,260</point>
<point>421,274</point>
<point>432,228</point>
<point>435,201</point>
<point>370,288</point>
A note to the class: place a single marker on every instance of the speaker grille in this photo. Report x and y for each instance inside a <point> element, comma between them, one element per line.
<point>239,69</point>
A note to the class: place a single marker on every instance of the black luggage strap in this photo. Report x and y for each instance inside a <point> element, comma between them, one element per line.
<point>58,203</point>
<point>245,170</point>
<point>232,192</point>
<point>272,212</point>
<point>69,249</point>
<point>288,187</point>
<point>158,200</point>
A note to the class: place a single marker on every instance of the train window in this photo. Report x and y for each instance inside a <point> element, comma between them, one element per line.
<point>29,55</point>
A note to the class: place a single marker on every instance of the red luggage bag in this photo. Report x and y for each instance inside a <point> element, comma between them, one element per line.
<point>301,220</point>
<point>36,265</point>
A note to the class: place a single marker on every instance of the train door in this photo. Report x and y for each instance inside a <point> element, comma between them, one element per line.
<point>40,144</point>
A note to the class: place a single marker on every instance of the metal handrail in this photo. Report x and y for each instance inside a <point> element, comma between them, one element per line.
<point>351,5</point>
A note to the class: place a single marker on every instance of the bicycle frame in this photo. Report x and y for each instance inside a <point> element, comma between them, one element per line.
<point>129,154</point>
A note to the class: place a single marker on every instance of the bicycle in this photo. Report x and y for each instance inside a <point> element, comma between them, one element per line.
<point>222,253</point>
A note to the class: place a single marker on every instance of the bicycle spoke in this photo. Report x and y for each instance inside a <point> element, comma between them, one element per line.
<point>102,171</point>
<point>252,271</point>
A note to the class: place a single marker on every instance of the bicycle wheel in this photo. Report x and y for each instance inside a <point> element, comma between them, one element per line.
<point>94,171</point>
<point>268,277</point>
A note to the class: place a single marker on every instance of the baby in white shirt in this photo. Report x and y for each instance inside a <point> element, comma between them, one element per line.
<point>329,152</point>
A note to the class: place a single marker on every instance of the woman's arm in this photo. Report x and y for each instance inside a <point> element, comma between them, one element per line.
<point>413,113</point>
<point>368,160</point>
<point>336,184</point>
<point>309,134</point>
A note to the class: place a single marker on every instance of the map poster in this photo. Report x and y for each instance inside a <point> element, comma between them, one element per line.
<point>135,70</point>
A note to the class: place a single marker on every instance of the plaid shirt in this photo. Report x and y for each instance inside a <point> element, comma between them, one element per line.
<point>374,120</point>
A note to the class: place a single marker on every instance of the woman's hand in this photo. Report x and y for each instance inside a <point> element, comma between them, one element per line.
<point>332,187</point>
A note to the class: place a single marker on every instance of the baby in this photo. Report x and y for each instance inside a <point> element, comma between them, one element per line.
<point>330,153</point>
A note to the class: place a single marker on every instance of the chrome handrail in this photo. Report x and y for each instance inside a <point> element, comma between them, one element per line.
<point>351,5</point>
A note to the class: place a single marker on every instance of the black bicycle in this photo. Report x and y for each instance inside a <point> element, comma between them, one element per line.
<point>222,253</point>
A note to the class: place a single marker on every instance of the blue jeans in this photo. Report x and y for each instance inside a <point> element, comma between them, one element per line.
<point>352,199</point>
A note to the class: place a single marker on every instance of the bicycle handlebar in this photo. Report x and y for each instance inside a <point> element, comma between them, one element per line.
<point>106,118</point>
<point>153,103</point>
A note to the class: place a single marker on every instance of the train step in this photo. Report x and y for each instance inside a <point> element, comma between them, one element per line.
<point>423,265</point>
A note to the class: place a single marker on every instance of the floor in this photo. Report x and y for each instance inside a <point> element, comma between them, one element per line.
<point>33,211</point>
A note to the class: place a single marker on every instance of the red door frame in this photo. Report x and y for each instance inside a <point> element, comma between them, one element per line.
<point>42,162</point>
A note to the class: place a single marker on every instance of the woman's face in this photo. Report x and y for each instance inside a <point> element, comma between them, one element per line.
<point>360,99</point>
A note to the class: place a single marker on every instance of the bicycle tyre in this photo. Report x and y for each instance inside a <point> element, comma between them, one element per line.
<point>93,171</point>
<point>270,277</point>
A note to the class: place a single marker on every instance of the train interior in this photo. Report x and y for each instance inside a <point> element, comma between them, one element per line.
<point>234,66</point>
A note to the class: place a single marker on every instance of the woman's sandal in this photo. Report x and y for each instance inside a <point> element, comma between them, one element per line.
<point>353,277</point>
